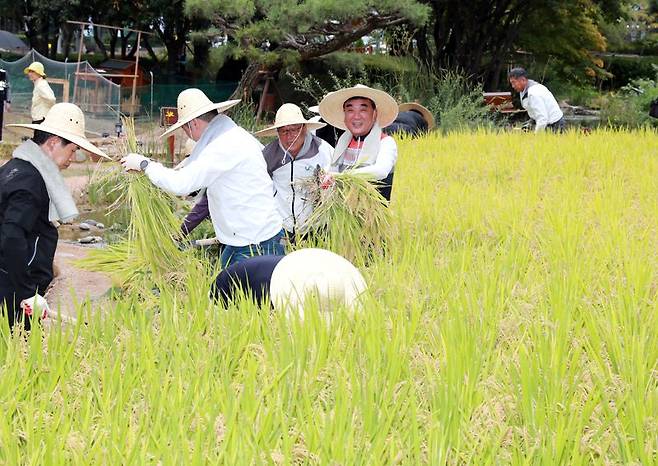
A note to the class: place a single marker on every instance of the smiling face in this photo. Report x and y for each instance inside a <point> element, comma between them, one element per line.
<point>360,115</point>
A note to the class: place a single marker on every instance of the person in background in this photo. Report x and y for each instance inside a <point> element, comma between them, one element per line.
<point>43,97</point>
<point>363,148</point>
<point>294,156</point>
<point>538,101</point>
<point>413,119</point>
<point>33,199</point>
<point>328,133</point>
<point>228,162</point>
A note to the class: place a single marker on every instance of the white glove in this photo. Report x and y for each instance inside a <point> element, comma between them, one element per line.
<point>36,305</point>
<point>133,161</point>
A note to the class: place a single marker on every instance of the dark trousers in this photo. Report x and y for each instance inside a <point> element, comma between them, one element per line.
<point>385,186</point>
<point>559,126</point>
<point>11,303</point>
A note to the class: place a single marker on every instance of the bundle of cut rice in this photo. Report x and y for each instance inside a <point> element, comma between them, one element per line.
<point>350,217</point>
<point>150,255</point>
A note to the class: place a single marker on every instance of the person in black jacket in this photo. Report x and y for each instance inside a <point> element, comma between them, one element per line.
<point>413,119</point>
<point>33,199</point>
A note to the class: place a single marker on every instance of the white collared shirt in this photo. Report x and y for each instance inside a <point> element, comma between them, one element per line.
<point>228,162</point>
<point>541,105</point>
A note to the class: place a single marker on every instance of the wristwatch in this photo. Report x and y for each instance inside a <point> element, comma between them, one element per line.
<point>143,164</point>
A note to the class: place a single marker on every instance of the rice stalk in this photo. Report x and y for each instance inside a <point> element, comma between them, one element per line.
<point>351,217</point>
<point>150,255</point>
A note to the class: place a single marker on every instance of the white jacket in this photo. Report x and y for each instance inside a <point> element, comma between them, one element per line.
<point>43,98</point>
<point>292,201</point>
<point>541,105</point>
<point>228,162</point>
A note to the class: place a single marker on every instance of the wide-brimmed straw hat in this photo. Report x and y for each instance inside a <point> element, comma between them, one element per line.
<point>193,103</point>
<point>415,106</point>
<point>315,272</point>
<point>289,114</point>
<point>37,67</point>
<point>331,107</point>
<point>67,121</point>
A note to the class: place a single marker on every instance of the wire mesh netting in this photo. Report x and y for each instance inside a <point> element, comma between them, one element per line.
<point>74,82</point>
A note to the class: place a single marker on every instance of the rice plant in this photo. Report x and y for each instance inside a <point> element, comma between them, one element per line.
<point>512,320</point>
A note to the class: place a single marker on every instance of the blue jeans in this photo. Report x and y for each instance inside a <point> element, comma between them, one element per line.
<point>269,247</point>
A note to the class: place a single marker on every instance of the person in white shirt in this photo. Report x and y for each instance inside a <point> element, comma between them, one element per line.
<point>364,148</point>
<point>295,155</point>
<point>43,97</point>
<point>538,101</point>
<point>228,161</point>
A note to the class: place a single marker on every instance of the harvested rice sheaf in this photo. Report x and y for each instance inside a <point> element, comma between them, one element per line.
<point>150,255</point>
<point>350,217</point>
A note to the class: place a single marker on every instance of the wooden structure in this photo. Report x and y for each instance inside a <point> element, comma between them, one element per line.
<point>501,102</point>
<point>134,75</point>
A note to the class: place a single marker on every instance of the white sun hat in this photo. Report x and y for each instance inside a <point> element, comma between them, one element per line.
<point>331,106</point>
<point>65,120</point>
<point>314,109</point>
<point>193,103</point>
<point>315,272</point>
<point>416,107</point>
<point>289,114</point>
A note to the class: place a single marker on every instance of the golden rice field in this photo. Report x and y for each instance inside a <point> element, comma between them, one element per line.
<point>512,320</point>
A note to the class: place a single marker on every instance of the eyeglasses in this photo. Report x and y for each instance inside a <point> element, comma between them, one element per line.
<point>289,130</point>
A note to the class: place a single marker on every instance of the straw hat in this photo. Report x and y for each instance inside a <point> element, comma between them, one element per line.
<point>331,107</point>
<point>67,121</point>
<point>315,271</point>
<point>37,68</point>
<point>289,114</point>
<point>415,106</point>
<point>193,103</point>
<point>314,109</point>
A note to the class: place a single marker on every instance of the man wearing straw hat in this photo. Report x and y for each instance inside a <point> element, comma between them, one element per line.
<point>43,97</point>
<point>363,148</point>
<point>413,119</point>
<point>293,156</point>
<point>33,199</point>
<point>228,161</point>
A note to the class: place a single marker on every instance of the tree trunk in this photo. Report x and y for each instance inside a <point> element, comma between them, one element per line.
<point>113,43</point>
<point>99,42</point>
<point>247,83</point>
<point>150,50</point>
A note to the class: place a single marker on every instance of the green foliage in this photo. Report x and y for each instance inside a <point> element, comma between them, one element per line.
<point>626,69</point>
<point>629,107</point>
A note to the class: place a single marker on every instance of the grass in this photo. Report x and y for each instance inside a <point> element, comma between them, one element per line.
<point>512,320</point>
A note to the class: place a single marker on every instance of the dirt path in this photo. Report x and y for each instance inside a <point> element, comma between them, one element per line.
<point>74,285</point>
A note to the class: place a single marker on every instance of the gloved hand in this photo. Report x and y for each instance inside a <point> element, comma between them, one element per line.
<point>133,161</point>
<point>326,180</point>
<point>36,305</point>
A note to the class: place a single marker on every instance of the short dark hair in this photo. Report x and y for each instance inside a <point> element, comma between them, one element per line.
<point>517,73</point>
<point>372,102</point>
<point>40,137</point>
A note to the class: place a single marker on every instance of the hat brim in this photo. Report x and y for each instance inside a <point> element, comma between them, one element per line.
<point>272,130</point>
<point>81,142</point>
<point>331,107</point>
<point>28,69</point>
<point>220,107</point>
<point>414,106</point>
